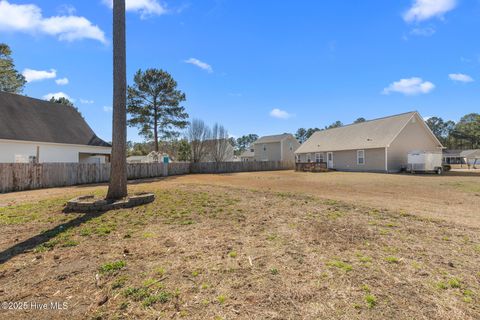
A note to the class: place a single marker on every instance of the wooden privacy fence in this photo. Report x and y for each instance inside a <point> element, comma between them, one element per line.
<point>25,176</point>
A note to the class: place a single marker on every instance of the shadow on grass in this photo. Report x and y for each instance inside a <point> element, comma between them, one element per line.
<point>31,243</point>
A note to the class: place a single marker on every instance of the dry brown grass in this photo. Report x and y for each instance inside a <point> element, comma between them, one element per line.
<point>207,251</point>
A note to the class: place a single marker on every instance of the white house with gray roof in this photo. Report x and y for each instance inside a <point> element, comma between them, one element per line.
<point>279,147</point>
<point>39,131</point>
<point>379,145</point>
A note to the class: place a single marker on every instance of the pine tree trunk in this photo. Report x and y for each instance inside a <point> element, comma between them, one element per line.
<point>118,176</point>
<point>155,124</point>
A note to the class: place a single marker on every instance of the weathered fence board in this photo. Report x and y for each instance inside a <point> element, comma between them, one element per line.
<point>20,176</point>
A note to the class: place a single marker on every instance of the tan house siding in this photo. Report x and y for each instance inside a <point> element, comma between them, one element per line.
<point>347,160</point>
<point>414,137</point>
<point>272,151</point>
<point>290,145</point>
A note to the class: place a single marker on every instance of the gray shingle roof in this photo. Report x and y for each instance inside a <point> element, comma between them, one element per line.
<point>274,138</point>
<point>28,119</point>
<point>377,133</point>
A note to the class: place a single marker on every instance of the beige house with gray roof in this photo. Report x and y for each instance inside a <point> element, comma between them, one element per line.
<point>279,147</point>
<point>380,145</point>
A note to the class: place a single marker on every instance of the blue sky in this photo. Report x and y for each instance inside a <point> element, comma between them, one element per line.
<point>260,67</point>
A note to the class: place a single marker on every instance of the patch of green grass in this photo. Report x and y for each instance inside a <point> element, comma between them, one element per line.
<point>232,254</point>
<point>69,243</point>
<point>442,285</point>
<point>119,282</point>
<point>47,246</point>
<point>137,294</point>
<point>334,215</point>
<point>340,264</point>
<point>468,295</point>
<point>112,267</point>
<point>85,232</point>
<point>366,288</point>
<point>162,297</point>
<point>28,212</point>
<point>370,300</point>
<point>160,271</point>
<point>392,259</point>
<point>274,271</point>
<point>364,259</point>
<point>104,230</point>
<point>450,283</point>
<point>195,273</point>
<point>221,299</point>
<point>148,235</point>
<point>454,283</point>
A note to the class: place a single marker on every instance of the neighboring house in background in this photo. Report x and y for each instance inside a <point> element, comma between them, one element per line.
<point>248,155</point>
<point>39,131</point>
<point>469,157</point>
<point>149,158</point>
<point>218,149</point>
<point>379,145</point>
<point>276,148</point>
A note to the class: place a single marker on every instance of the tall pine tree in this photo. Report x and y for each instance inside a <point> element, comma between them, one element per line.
<point>154,105</point>
<point>10,79</point>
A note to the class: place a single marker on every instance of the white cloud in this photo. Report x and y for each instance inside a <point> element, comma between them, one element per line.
<point>85,101</point>
<point>425,9</point>
<point>280,114</point>
<point>38,75</point>
<point>107,109</point>
<point>202,65</point>
<point>460,77</point>
<point>411,86</point>
<point>28,18</point>
<point>146,8</point>
<point>62,81</point>
<point>57,96</point>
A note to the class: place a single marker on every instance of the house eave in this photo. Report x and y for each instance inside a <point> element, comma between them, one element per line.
<point>106,149</point>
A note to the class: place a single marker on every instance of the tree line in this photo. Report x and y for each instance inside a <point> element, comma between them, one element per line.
<point>464,134</point>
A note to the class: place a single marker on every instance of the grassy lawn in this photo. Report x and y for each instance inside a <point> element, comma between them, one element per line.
<point>208,251</point>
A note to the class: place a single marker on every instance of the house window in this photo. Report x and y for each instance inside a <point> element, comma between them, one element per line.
<point>360,157</point>
<point>290,145</point>
<point>309,157</point>
<point>264,147</point>
<point>318,158</point>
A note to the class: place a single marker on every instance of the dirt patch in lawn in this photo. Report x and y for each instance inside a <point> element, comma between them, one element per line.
<point>215,252</point>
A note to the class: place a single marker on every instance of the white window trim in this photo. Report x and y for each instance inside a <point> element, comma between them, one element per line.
<point>309,157</point>
<point>358,157</point>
